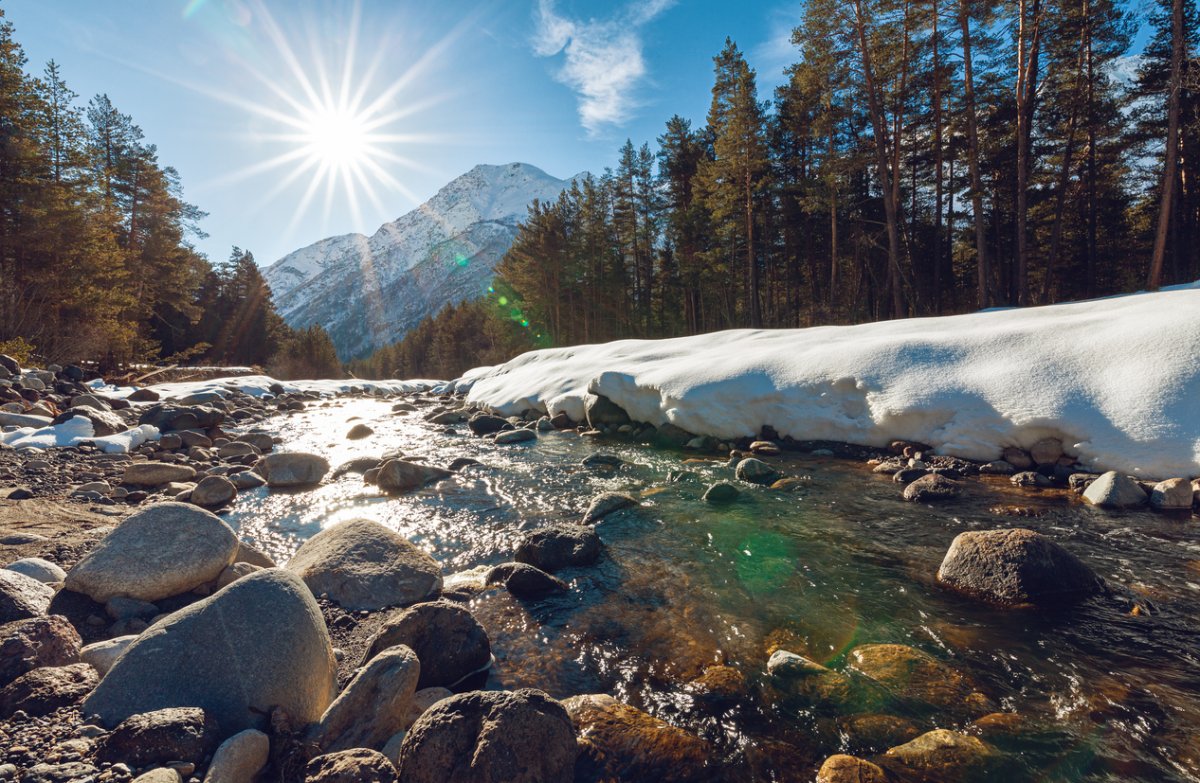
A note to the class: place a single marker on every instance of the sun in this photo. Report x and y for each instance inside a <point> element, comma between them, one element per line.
<point>336,137</point>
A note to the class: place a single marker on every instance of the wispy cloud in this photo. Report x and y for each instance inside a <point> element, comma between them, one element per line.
<point>603,60</point>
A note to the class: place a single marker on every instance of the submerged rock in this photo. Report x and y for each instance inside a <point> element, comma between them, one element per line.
<point>446,637</point>
<point>519,736</point>
<point>1015,567</point>
<point>555,547</point>
<point>820,686</point>
<point>915,676</point>
<point>849,769</point>
<point>606,503</point>
<point>620,742</point>
<point>259,644</point>
<point>932,488</point>
<point>721,492</point>
<point>361,564</point>
<point>942,756</point>
<point>756,471</point>
<point>159,552</point>
<point>1115,490</point>
<point>524,580</point>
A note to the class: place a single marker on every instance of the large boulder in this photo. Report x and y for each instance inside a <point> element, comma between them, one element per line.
<point>1170,495</point>
<point>292,469</point>
<point>374,706</point>
<point>167,417</point>
<point>35,642</point>
<point>258,644</point>
<point>1016,567</point>
<point>42,691</point>
<point>22,596</point>
<point>358,765</point>
<point>361,564</point>
<point>1115,490</point>
<point>397,475</point>
<point>556,547</point>
<point>104,422</point>
<point>620,742</point>
<point>155,474</point>
<point>915,676</point>
<point>486,423</point>
<point>448,640</point>
<point>519,736</point>
<point>942,756</point>
<point>161,736</point>
<point>159,552</point>
<point>603,412</point>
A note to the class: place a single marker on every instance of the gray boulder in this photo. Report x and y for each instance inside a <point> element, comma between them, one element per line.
<point>22,596</point>
<point>519,736</point>
<point>258,644</point>
<point>397,475</point>
<point>361,564</point>
<point>167,417</point>
<point>156,474</point>
<point>213,492</point>
<point>446,637</point>
<point>1170,495</point>
<point>1015,567</point>
<point>48,573</point>
<point>159,552</point>
<point>556,547</point>
<point>373,706</point>
<point>521,435</point>
<point>755,471</point>
<point>292,469</point>
<point>1115,490</point>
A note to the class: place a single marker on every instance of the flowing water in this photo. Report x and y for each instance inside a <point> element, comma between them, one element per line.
<point>686,588</point>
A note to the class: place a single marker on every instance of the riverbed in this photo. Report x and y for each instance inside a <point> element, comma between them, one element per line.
<point>689,601</point>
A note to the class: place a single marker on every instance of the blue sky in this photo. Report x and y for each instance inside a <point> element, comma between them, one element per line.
<point>218,85</point>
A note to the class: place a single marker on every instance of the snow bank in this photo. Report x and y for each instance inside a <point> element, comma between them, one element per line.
<point>1117,379</point>
<point>260,385</point>
<point>76,430</point>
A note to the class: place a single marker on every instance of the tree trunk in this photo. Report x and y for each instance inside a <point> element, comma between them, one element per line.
<point>1170,174</point>
<point>983,272</point>
<point>1028,48</point>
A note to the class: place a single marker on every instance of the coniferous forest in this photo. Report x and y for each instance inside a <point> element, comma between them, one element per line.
<point>924,157</point>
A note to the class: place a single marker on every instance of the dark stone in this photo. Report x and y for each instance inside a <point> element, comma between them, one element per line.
<point>10,364</point>
<point>1030,478</point>
<point>487,424</point>
<point>519,736</point>
<point>932,488</point>
<point>176,734</point>
<point>104,423</point>
<point>448,640</point>
<point>721,492</point>
<point>559,546</point>
<point>35,642</point>
<point>73,373</point>
<point>562,421</point>
<point>620,742</point>
<point>603,412</point>
<point>167,417</point>
<point>462,462</point>
<point>1015,567</point>
<point>358,765</point>
<point>525,581</point>
<point>602,461</point>
<point>909,475</point>
<point>42,691</point>
<point>22,597</point>
<point>144,395</point>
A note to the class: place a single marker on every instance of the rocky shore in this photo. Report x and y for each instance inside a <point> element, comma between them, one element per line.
<point>142,640</point>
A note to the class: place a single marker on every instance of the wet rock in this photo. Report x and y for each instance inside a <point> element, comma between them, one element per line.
<point>998,468</point>
<point>398,475</point>
<point>849,769</point>
<point>486,424</point>
<point>876,732</point>
<point>799,676</point>
<point>915,676</point>
<point>102,655</point>
<point>447,417</point>
<point>606,503</point>
<point>42,691</point>
<point>160,737</point>
<point>909,475</point>
<point>239,758</point>
<point>156,474</point>
<point>213,492</point>
<point>359,431</point>
<point>556,547</point>
<point>446,637</point>
<point>525,581</point>
<point>1170,495</point>
<point>237,450</point>
<point>932,488</point>
<point>1017,458</point>
<point>373,706</point>
<point>292,469</point>
<point>1031,478</point>
<point>49,573</point>
<point>721,492</point>
<point>603,412</point>
<point>258,644</point>
<point>756,471</point>
<point>941,756</point>
<point>35,642</point>
<point>619,742</point>
<point>359,765</point>
<point>361,564</point>
<point>521,435</point>
<point>159,552</point>
<point>519,736</point>
<point>1046,451</point>
<point>22,596</point>
<point>1015,567</point>
<point>1115,490</point>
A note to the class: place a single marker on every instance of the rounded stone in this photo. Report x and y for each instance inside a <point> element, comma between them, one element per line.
<point>50,573</point>
<point>556,547</point>
<point>373,706</point>
<point>159,552</point>
<point>161,736</point>
<point>156,474</point>
<point>1016,567</point>
<point>214,491</point>
<point>932,488</point>
<point>721,492</point>
<point>1115,490</point>
<point>841,768</point>
<point>606,503</point>
<point>102,655</point>
<point>755,471</point>
<point>620,742</point>
<point>361,564</point>
<point>1170,495</point>
<point>258,644</point>
<point>292,469</point>
<point>360,765</point>
<point>239,758</point>
<point>22,596</point>
<point>42,691</point>
<point>524,580</point>
<point>942,755</point>
<point>35,642</point>
<point>446,637</point>
<point>397,475</point>
<point>519,736</point>
<point>521,435</point>
<point>915,676</point>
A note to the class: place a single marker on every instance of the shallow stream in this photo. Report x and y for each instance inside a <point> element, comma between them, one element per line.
<point>1107,693</point>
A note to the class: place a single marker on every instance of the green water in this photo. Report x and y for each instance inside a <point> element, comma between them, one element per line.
<point>1107,694</point>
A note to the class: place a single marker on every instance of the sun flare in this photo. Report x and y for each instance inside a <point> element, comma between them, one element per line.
<point>336,138</point>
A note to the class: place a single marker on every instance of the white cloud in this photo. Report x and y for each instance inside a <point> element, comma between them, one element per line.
<point>602,58</point>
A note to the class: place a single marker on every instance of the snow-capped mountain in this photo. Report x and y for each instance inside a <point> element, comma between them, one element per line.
<point>368,291</point>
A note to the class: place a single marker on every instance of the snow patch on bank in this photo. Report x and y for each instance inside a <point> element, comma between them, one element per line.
<point>1117,379</point>
<point>77,430</point>
<point>260,386</point>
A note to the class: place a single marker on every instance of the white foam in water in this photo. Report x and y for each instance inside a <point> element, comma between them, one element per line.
<point>1117,379</point>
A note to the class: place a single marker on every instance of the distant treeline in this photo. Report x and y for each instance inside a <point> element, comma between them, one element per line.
<point>96,254</point>
<point>923,157</point>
